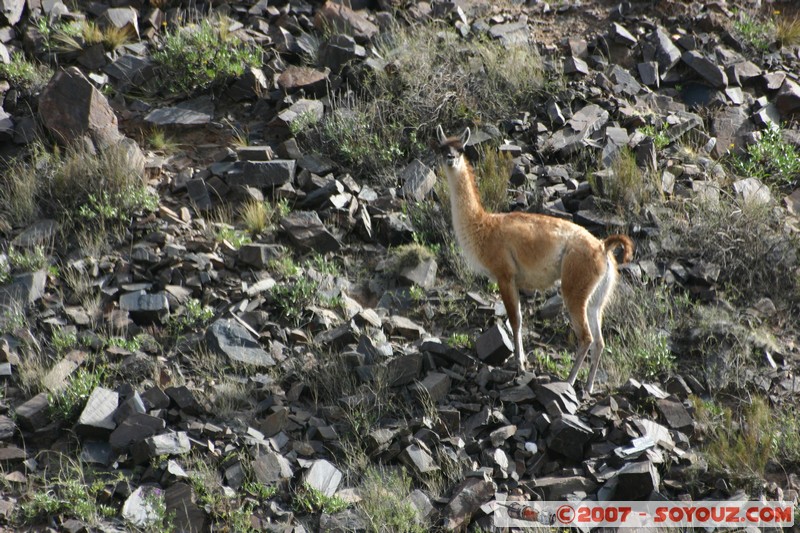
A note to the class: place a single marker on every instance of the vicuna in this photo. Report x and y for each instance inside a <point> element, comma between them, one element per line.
<point>531,252</point>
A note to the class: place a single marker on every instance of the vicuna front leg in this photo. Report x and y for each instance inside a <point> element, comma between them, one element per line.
<point>510,295</point>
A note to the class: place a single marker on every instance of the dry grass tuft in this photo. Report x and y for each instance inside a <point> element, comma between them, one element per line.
<point>626,186</point>
<point>787,27</point>
<point>493,173</point>
<point>756,254</point>
<point>429,77</point>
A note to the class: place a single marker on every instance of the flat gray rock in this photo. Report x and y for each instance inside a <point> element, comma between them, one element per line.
<point>229,338</point>
<point>24,289</point>
<point>11,11</point>
<point>418,459</point>
<point>306,230</point>
<point>191,113</point>
<point>582,124</point>
<point>144,307</point>
<point>323,476</point>
<point>567,436</point>
<point>557,398</point>
<point>708,70</point>
<point>181,504</point>
<point>494,346</point>
<point>140,508</point>
<point>666,54</point>
<point>136,428</point>
<point>418,180</point>
<point>97,417</point>
<point>271,467</point>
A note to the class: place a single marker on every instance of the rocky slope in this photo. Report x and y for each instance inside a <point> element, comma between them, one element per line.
<point>196,373</point>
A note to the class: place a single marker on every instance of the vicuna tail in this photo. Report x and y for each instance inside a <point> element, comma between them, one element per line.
<point>624,241</point>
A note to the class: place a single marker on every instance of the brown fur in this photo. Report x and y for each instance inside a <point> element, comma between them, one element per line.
<point>531,252</point>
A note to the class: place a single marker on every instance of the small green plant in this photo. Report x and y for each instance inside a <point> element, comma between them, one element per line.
<point>302,123</point>
<point>658,134</point>
<point>459,340</point>
<point>771,159</point>
<point>323,265</point>
<point>69,497</point>
<point>5,270</point>
<point>27,260</point>
<point>292,297</point>
<point>284,266</point>
<point>309,500</point>
<point>11,320</point>
<point>131,345</point>
<point>159,518</point>
<point>417,294</point>
<point>67,404</point>
<point>259,490</point>
<point>239,518</point>
<point>195,316</point>
<point>559,367</point>
<point>384,502</point>
<point>24,74</point>
<point>203,56</point>
<point>63,340</point>
<point>232,236</point>
<point>758,33</point>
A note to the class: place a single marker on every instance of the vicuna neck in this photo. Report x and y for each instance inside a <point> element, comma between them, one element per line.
<point>465,202</point>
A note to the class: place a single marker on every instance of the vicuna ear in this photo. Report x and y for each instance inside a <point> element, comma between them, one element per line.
<point>465,137</point>
<point>440,134</point>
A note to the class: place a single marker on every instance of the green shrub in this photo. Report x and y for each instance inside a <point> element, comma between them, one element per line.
<point>64,185</point>
<point>309,500</point>
<point>72,492</point>
<point>384,502</point>
<point>637,329</point>
<point>25,75</point>
<point>291,297</point>
<point>758,33</point>
<point>67,404</point>
<point>771,159</point>
<point>203,56</point>
<point>195,316</point>
<point>27,260</point>
<point>659,135</point>
<point>63,340</point>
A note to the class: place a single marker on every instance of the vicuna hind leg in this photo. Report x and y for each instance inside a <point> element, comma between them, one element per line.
<point>580,276</point>
<point>597,304</point>
<point>510,295</point>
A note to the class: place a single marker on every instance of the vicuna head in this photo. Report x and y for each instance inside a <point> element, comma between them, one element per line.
<point>451,149</point>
